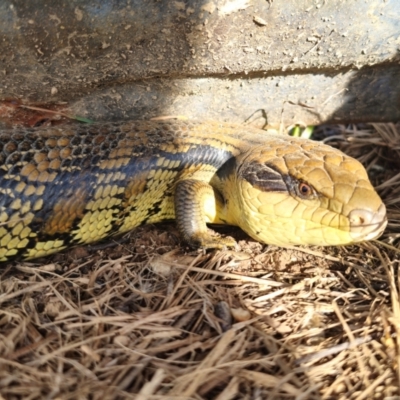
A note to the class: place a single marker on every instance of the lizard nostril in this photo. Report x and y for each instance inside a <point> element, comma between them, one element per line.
<point>361,217</point>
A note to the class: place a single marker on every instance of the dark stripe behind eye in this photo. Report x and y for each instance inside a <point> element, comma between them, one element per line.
<point>263,177</point>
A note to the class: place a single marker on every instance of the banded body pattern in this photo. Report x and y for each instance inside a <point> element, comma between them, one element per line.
<point>74,185</point>
<point>79,184</point>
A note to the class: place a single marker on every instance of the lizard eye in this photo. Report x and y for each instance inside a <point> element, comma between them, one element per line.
<point>305,190</point>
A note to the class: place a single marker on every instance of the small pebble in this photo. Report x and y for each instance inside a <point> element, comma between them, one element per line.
<point>240,314</point>
<point>223,312</point>
<point>259,21</point>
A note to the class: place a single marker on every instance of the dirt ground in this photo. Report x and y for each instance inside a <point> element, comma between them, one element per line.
<point>147,318</point>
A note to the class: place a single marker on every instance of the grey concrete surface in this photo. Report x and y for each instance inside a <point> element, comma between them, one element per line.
<point>287,61</point>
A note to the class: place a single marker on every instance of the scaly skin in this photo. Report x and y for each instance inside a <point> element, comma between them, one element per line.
<point>78,184</point>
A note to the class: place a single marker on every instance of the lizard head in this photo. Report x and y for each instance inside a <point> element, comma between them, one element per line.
<point>304,192</point>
